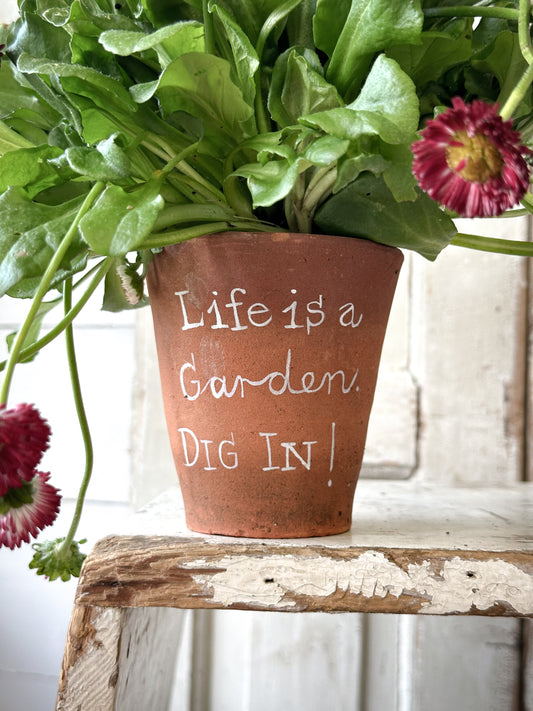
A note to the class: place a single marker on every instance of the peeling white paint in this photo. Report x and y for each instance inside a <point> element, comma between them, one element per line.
<point>460,585</point>
<point>91,679</point>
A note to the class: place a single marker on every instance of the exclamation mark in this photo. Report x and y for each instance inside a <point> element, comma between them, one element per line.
<point>332,454</point>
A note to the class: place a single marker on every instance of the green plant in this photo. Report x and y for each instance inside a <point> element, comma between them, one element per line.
<point>125,127</point>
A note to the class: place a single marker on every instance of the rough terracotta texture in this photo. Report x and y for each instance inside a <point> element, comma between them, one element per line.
<point>269,347</point>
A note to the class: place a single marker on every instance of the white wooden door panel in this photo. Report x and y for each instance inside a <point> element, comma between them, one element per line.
<point>380,688</point>
<point>470,361</point>
<point>527,661</point>
<point>469,358</point>
<point>262,661</point>
<point>391,447</point>
<point>466,664</point>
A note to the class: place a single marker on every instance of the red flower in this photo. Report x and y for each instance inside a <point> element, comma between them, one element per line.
<point>26,519</point>
<point>24,436</point>
<point>471,161</point>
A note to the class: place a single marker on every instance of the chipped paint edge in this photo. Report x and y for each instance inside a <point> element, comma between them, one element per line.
<point>458,587</point>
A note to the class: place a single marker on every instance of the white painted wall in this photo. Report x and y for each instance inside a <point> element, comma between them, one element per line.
<point>34,613</point>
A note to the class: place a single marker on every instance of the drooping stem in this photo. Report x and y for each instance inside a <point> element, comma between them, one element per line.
<point>64,550</point>
<point>493,244</point>
<point>524,37</point>
<point>43,287</point>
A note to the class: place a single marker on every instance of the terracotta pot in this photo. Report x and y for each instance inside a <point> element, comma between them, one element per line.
<point>268,347</point>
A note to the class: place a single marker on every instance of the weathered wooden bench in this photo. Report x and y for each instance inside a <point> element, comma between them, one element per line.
<point>413,548</point>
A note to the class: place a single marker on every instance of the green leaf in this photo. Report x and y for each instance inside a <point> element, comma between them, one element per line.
<point>506,63</point>
<point>251,16</point>
<point>105,161</point>
<point>351,33</point>
<point>300,25</point>
<point>299,88</point>
<point>166,12</point>
<point>16,98</point>
<point>170,41</point>
<point>386,107</point>
<point>352,167</point>
<point>398,175</point>
<point>436,53</point>
<point>55,101</point>
<point>36,36</point>
<point>366,208</point>
<point>325,150</point>
<point>392,162</point>
<point>390,93</point>
<point>29,168</point>
<point>119,221</point>
<point>105,92</point>
<point>201,85</point>
<point>245,60</point>
<point>272,181</point>
<point>10,140</point>
<point>30,233</point>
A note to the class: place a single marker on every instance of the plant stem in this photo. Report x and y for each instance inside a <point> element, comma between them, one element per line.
<point>524,37</point>
<point>517,94</point>
<point>181,156</point>
<point>175,214</point>
<point>527,202</point>
<point>43,287</point>
<point>208,29</point>
<point>319,189</point>
<point>503,13</point>
<point>165,239</point>
<point>492,244</point>
<point>82,419</point>
<point>525,80</point>
<point>200,181</point>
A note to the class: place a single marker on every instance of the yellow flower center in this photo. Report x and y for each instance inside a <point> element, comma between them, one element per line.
<point>474,158</point>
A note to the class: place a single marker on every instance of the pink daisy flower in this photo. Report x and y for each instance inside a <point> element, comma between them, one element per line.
<point>27,519</point>
<point>471,161</point>
<point>24,436</point>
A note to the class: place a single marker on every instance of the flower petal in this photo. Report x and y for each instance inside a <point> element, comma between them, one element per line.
<point>471,161</point>
<point>24,436</point>
<point>19,523</point>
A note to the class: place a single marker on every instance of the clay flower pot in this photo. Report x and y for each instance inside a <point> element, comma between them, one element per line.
<point>269,346</point>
